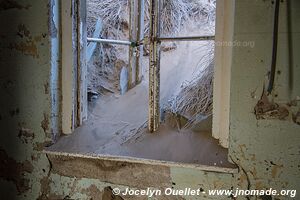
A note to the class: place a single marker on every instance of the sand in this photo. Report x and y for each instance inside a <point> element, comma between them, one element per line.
<point>117,123</point>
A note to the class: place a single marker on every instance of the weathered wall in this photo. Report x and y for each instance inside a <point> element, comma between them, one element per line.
<point>29,56</point>
<point>267,150</point>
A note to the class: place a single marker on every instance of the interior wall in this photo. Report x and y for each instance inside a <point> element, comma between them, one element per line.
<point>29,74</point>
<point>265,150</point>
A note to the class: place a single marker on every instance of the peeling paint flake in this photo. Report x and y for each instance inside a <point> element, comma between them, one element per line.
<point>296,117</point>
<point>27,48</point>
<point>25,135</point>
<point>46,88</point>
<point>11,170</point>
<point>265,109</point>
<point>45,123</point>
<point>23,31</point>
<point>108,195</point>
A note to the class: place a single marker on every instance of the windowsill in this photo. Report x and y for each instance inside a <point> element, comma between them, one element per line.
<point>121,170</point>
<point>167,147</point>
<point>149,162</point>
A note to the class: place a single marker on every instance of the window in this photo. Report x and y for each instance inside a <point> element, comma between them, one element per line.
<point>139,113</point>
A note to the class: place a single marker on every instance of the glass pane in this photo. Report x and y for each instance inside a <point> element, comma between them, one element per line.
<point>187,17</point>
